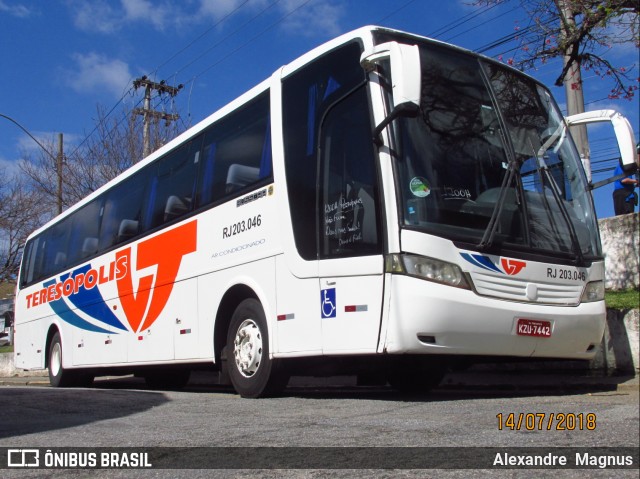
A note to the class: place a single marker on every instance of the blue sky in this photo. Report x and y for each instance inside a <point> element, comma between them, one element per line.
<point>61,59</point>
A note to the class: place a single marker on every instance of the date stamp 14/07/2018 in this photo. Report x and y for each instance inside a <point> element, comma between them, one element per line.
<point>518,421</point>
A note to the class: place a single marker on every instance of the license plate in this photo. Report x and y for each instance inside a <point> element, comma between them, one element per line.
<point>533,327</point>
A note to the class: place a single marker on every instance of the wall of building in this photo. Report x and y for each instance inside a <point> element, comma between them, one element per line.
<point>621,246</point>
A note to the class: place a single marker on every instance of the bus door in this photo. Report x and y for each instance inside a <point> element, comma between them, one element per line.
<point>351,278</point>
<point>334,199</point>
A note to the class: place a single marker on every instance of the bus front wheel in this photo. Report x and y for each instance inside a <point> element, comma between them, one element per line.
<point>253,374</point>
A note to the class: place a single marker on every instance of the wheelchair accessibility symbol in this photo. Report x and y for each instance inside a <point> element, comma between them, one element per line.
<point>328,303</point>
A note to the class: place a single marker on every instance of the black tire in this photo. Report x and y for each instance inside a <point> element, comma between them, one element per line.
<point>252,373</point>
<point>59,377</point>
<point>415,375</point>
<point>169,379</point>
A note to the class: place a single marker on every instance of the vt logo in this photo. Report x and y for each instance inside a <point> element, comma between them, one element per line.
<point>509,266</point>
<point>143,303</point>
<point>512,266</point>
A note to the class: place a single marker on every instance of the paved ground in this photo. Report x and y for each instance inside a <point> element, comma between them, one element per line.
<point>328,420</point>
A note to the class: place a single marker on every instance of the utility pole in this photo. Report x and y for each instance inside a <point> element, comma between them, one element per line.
<point>147,113</point>
<point>59,161</point>
<point>573,87</point>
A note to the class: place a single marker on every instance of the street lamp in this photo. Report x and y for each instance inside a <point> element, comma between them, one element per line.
<point>57,160</point>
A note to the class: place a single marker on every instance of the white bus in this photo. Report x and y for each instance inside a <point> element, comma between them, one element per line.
<point>378,206</point>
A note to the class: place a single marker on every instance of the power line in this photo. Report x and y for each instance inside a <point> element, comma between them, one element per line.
<point>251,40</point>
<point>481,24</point>
<point>192,42</point>
<point>95,128</point>
<point>181,69</point>
<point>204,33</point>
<point>394,12</point>
<point>460,21</point>
<point>503,40</point>
<point>130,89</point>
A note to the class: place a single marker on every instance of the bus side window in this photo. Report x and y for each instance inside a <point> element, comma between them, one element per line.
<point>205,189</point>
<point>85,228</point>
<point>237,152</point>
<point>28,257</point>
<point>56,242</point>
<point>173,189</point>
<point>123,204</point>
<point>128,229</point>
<point>36,260</point>
<point>240,176</point>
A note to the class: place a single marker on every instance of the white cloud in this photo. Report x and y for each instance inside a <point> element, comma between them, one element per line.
<point>216,9</point>
<point>316,17</point>
<point>306,17</point>
<point>108,17</point>
<point>19,10</point>
<point>8,168</point>
<point>28,145</point>
<point>44,140</point>
<point>97,16</point>
<point>94,71</point>
<point>145,11</point>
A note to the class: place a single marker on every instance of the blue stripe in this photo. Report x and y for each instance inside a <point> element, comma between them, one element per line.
<point>481,261</point>
<point>91,302</point>
<point>486,262</point>
<point>61,309</point>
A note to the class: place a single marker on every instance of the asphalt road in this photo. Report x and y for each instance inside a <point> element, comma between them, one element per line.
<point>122,413</point>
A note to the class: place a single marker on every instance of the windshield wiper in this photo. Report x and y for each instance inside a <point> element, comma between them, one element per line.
<point>490,231</point>
<point>543,168</point>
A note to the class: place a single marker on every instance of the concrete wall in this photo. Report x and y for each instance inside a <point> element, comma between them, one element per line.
<point>621,246</point>
<point>620,347</point>
<point>8,370</point>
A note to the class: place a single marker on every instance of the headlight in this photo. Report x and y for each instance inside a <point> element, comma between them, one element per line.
<point>430,269</point>
<point>593,291</point>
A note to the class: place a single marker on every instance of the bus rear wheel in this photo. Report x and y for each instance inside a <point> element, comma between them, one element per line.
<point>253,374</point>
<point>59,377</point>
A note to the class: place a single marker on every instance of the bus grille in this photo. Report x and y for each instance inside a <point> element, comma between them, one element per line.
<point>522,290</point>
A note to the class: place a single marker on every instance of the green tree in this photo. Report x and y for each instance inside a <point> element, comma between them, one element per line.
<point>581,32</point>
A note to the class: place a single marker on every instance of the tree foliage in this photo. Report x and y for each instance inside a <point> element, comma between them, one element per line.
<point>20,214</point>
<point>585,36</point>
<point>112,147</point>
<point>29,197</point>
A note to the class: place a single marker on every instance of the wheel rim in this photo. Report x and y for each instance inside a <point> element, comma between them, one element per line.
<point>247,348</point>
<point>56,359</point>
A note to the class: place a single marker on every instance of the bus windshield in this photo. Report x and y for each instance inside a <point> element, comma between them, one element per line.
<point>488,162</point>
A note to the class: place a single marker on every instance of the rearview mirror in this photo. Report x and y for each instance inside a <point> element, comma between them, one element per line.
<point>405,78</point>
<point>405,69</point>
<point>622,129</point>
